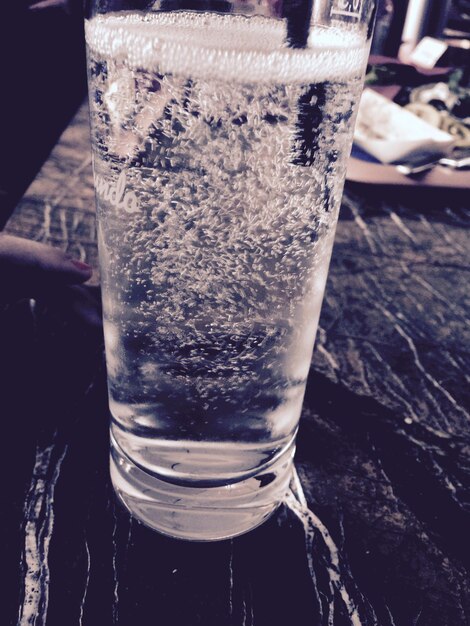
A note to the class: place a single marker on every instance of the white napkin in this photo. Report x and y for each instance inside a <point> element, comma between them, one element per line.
<point>392,134</point>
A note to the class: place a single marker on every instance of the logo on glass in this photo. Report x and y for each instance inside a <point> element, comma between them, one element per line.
<point>115,193</point>
<point>347,8</point>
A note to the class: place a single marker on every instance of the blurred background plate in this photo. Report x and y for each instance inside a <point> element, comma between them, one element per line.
<point>363,168</point>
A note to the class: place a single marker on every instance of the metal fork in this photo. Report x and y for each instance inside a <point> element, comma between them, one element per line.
<point>412,168</point>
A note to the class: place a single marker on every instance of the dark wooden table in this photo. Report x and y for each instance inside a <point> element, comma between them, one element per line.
<point>378,531</point>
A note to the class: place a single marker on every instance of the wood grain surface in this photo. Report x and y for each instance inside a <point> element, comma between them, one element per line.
<point>376,530</point>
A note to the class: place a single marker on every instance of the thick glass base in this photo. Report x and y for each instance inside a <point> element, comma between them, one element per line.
<point>201,513</point>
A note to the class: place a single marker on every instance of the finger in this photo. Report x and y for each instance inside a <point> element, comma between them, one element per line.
<point>48,4</point>
<point>28,267</point>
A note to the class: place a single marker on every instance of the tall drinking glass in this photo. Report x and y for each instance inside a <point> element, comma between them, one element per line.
<point>221,131</point>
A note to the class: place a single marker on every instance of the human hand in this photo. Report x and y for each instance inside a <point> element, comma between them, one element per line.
<point>29,269</point>
<point>67,5</point>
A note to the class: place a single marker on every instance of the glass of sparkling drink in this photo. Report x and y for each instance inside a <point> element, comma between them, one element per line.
<point>221,131</point>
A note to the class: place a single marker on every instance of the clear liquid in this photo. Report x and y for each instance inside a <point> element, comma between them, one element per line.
<point>219,160</point>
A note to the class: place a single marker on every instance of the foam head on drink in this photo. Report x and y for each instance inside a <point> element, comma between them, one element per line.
<point>219,158</point>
